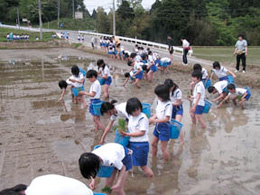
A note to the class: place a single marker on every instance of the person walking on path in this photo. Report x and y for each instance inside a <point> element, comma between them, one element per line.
<point>186,48</point>
<point>170,48</point>
<point>241,52</point>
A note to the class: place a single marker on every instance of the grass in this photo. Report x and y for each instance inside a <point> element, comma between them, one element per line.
<point>46,36</point>
<point>225,54</point>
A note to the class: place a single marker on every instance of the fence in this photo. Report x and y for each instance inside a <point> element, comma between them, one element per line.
<point>137,41</point>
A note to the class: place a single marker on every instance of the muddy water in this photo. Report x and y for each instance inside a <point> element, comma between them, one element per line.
<point>39,135</point>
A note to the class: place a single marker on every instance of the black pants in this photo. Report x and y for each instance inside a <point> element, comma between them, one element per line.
<point>243,58</point>
<point>184,57</point>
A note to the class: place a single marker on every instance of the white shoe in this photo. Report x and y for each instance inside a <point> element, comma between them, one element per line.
<point>244,71</point>
<point>236,70</point>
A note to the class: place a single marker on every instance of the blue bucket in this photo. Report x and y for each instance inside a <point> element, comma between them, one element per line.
<point>230,79</point>
<point>104,171</point>
<point>97,193</point>
<point>96,108</point>
<point>76,90</point>
<point>123,140</point>
<point>208,84</point>
<point>146,109</point>
<point>101,80</point>
<point>175,129</point>
<point>207,106</point>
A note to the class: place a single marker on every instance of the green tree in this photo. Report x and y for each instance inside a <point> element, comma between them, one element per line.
<point>102,22</point>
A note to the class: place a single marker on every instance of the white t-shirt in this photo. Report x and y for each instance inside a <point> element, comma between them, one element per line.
<point>220,86</point>
<point>96,87</point>
<point>57,185</point>
<point>185,43</point>
<point>137,124</point>
<point>199,88</point>
<point>222,72</point>
<point>80,77</point>
<point>111,154</point>
<point>150,59</point>
<point>239,92</point>
<point>138,65</point>
<point>204,73</point>
<point>138,58</point>
<point>121,112</point>
<point>163,109</point>
<point>177,95</point>
<point>105,71</point>
<point>165,59</point>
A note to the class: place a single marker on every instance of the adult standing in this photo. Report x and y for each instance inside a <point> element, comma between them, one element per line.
<point>186,48</point>
<point>117,45</point>
<point>170,48</point>
<point>241,52</point>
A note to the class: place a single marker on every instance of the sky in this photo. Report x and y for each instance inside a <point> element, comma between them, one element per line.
<point>107,4</point>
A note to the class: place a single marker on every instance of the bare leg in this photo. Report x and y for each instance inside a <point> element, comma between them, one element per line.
<point>137,83</point>
<point>98,123</point>
<point>110,180</point>
<point>119,186</point>
<point>193,118</point>
<point>105,88</point>
<point>201,120</point>
<point>179,118</point>
<point>155,145</point>
<point>148,172</point>
<point>164,150</point>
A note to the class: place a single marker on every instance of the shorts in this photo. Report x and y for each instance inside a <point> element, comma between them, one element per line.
<point>165,64</point>
<point>157,62</point>
<point>139,75</point>
<point>91,109</point>
<point>177,110</point>
<point>140,152</point>
<point>110,53</point>
<point>108,81</point>
<point>162,131</point>
<point>225,78</point>
<point>153,68</point>
<point>127,161</point>
<point>248,93</point>
<point>76,90</point>
<point>171,49</point>
<point>199,109</point>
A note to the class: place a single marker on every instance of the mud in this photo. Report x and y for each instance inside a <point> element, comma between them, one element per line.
<point>39,135</point>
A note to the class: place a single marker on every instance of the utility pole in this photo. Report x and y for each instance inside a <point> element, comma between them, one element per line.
<point>73,16</point>
<point>40,18</point>
<point>18,17</point>
<point>114,18</point>
<point>58,13</point>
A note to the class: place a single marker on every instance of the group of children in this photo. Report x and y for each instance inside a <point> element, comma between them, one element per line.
<point>17,37</point>
<point>169,107</point>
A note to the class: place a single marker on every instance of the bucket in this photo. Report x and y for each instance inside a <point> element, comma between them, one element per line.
<point>97,107</point>
<point>76,90</point>
<point>104,171</point>
<point>175,129</point>
<point>230,79</point>
<point>97,193</point>
<point>123,140</point>
<point>146,109</point>
<point>208,84</point>
<point>101,80</point>
<point>207,106</point>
